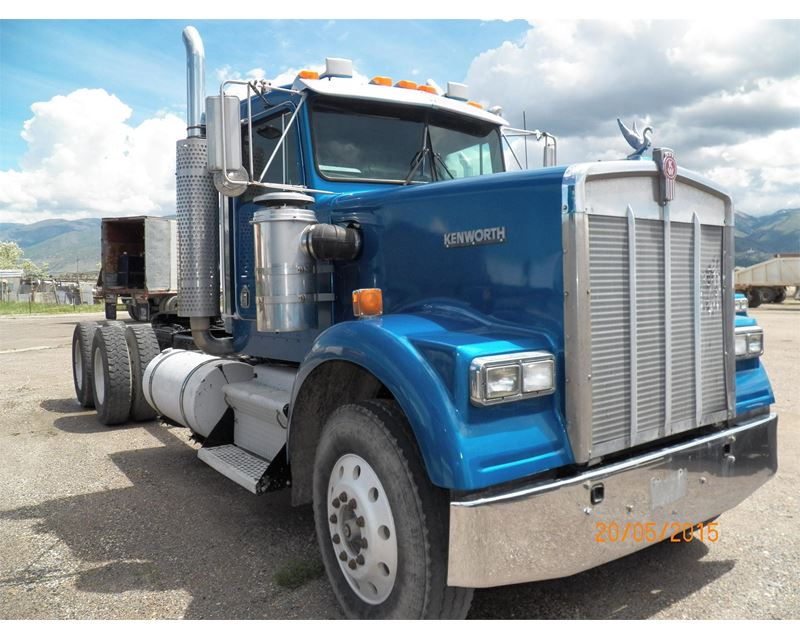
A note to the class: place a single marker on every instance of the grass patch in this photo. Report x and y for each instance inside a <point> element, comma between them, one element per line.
<point>299,571</point>
<point>24,309</point>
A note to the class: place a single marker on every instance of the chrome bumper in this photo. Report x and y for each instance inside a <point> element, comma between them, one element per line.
<point>549,530</point>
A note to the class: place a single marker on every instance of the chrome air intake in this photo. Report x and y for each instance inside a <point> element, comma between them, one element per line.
<point>286,297</point>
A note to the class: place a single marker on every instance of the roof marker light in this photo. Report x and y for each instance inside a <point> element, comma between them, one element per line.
<point>472,103</point>
<point>384,81</point>
<point>427,89</point>
<point>306,74</point>
<point>406,84</point>
<point>457,91</point>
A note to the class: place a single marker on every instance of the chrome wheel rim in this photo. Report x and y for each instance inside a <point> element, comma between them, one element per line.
<point>99,379</point>
<point>362,529</point>
<point>77,364</point>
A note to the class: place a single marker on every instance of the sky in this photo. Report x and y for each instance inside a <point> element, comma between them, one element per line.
<point>90,109</point>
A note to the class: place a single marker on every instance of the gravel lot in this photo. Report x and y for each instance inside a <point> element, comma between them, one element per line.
<point>125,522</point>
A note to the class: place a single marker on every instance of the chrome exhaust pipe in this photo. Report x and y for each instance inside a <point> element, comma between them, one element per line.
<point>195,84</point>
<point>198,211</point>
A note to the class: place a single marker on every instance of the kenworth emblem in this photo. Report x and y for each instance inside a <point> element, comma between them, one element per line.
<point>667,172</point>
<point>490,235</point>
<point>711,288</point>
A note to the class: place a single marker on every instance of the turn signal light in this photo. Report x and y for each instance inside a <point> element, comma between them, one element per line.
<point>367,302</point>
<point>406,84</point>
<point>305,74</point>
<point>384,81</point>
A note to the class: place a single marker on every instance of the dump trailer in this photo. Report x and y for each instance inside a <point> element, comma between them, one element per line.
<point>475,376</point>
<point>139,266</point>
<point>767,281</point>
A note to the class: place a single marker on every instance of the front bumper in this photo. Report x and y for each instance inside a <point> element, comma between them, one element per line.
<point>550,529</point>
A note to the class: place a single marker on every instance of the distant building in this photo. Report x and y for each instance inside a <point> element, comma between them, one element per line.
<point>9,283</point>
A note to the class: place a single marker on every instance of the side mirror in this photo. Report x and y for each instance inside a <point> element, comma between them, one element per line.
<point>225,145</point>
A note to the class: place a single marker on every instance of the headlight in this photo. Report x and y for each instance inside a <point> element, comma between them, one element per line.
<point>741,304</point>
<point>749,342</point>
<point>496,379</point>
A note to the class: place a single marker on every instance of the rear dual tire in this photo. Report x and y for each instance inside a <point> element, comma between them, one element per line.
<point>111,372</point>
<point>108,363</point>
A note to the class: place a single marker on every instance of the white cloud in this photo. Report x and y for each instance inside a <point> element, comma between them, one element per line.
<point>725,96</point>
<point>84,160</point>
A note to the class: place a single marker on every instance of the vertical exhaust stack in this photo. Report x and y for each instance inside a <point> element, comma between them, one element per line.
<point>198,211</point>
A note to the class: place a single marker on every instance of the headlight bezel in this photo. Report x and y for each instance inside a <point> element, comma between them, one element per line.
<point>480,368</point>
<point>751,335</point>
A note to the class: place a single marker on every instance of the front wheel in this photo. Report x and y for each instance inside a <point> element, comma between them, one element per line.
<point>381,526</point>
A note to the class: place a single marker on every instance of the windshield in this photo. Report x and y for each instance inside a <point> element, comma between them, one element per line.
<point>393,143</point>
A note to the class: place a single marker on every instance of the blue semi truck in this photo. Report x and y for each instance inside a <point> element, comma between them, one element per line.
<point>472,373</point>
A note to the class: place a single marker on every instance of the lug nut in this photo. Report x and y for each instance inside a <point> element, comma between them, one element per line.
<point>352,503</point>
<point>360,521</point>
<point>363,543</point>
<point>333,519</point>
<point>336,539</point>
<point>336,504</point>
<point>343,556</point>
<point>352,564</point>
<point>360,559</point>
<point>343,496</point>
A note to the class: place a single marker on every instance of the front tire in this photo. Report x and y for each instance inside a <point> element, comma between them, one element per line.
<point>381,525</point>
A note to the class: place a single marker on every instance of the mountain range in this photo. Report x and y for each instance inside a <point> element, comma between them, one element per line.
<point>67,244</point>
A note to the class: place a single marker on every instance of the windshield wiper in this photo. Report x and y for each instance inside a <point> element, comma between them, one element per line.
<point>419,156</point>
<point>436,156</point>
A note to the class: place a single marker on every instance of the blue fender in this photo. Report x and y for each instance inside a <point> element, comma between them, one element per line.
<point>463,447</point>
<point>753,389</point>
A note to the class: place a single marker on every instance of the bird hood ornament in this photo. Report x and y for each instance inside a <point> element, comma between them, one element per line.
<point>639,141</point>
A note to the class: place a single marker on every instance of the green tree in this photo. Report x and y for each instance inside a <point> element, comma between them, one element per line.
<point>33,270</point>
<point>10,255</point>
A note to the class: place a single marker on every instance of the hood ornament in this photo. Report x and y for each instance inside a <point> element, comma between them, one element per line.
<point>639,141</point>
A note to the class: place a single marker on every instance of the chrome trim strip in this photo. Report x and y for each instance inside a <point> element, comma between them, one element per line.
<point>617,467</point>
<point>577,330</point>
<point>667,426</point>
<point>698,360</point>
<point>633,332</point>
<point>729,312</point>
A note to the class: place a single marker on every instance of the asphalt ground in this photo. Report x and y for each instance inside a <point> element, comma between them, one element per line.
<point>127,523</point>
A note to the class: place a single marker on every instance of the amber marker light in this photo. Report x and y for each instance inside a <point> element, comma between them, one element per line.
<point>406,84</point>
<point>305,74</point>
<point>427,89</point>
<point>384,81</point>
<point>367,302</point>
<point>472,103</point>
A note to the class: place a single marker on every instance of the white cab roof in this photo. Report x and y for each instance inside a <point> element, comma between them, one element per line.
<point>351,88</point>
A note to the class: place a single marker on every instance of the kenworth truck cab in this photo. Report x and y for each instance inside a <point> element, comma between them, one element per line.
<point>470,372</point>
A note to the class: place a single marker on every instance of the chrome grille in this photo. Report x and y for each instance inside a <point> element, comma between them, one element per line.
<point>644,352</point>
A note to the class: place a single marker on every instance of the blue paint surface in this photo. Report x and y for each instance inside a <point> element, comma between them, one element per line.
<point>445,307</point>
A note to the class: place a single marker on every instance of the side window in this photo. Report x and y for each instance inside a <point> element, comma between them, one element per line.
<point>470,161</point>
<point>285,167</point>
